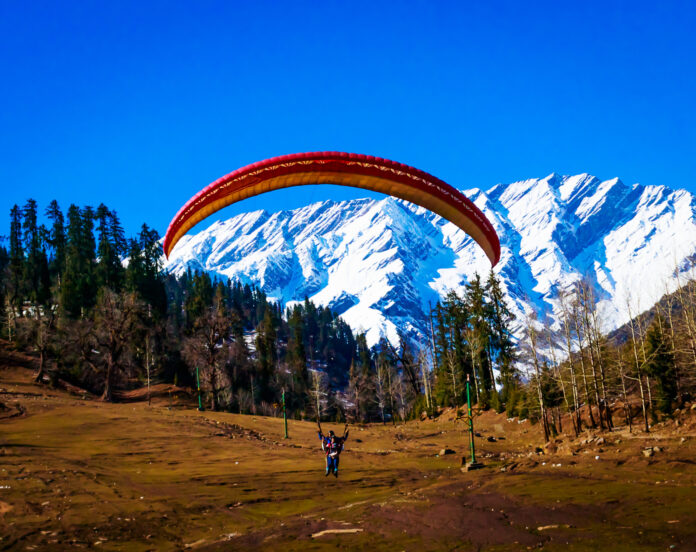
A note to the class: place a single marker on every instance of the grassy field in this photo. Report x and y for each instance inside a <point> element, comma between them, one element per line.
<point>77,473</point>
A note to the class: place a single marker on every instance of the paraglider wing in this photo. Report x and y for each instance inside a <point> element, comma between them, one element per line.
<point>345,169</point>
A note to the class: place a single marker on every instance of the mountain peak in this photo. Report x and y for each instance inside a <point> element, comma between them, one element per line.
<point>381,262</point>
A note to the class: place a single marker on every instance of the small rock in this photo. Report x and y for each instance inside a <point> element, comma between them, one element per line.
<point>648,452</point>
<point>693,406</point>
<point>491,439</point>
<point>657,449</point>
<point>600,441</point>
<point>445,451</point>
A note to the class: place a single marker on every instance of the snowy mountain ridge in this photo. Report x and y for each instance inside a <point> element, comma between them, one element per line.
<point>381,263</point>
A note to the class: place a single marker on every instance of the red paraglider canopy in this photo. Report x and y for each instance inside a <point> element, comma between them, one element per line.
<point>346,169</point>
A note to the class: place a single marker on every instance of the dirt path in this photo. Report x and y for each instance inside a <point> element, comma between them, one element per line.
<point>76,473</point>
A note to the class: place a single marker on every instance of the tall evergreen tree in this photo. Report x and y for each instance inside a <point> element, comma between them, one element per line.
<point>32,251</point>
<point>296,347</point>
<point>364,358</point>
<point>56,239</point>
<point>661,366</point>
<point>105,253</point>
<point>16,257</point>
<point>501,343</point>
<point>109,269</point>
<point>479,338</point>
<point>267,348</point>
<point>78,289</point>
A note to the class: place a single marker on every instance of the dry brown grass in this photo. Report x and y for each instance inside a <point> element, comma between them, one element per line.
<point>77,473</point>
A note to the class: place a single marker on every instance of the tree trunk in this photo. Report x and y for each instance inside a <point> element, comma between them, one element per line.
<point>590,348</point>
<point>213,389</point>
<point>596,334</point>
<point>642,400</point>
<point>638,369</point>
<point>673,347</point>
<point>107,394</point>
<point>391,396</point>
<point>575,414</point>
<point>38,378</point>
<point>593,424</point>
<point>540,395</point>
<point>627,407</point>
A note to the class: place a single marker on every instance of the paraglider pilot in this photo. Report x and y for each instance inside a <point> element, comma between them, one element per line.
<point>332,445</point>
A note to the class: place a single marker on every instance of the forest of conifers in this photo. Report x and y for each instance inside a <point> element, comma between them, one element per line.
<point>99,313</point>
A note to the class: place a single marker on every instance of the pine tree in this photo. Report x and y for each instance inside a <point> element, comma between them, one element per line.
<point>296,348</point>
<point>152,287</point>
<point>266,348</point>
<point>78,289</point>
<point>109,270</point>
<point>16,258</point>
<point>32,251</point>
<point>5,314</point>
<point>56,239</point>
<point>364,358</point>
<point>661,366</point>
<point>479,339</point>
<point>502,347</point>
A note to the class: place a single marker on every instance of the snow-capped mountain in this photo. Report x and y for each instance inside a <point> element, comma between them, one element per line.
<point>380,263</point>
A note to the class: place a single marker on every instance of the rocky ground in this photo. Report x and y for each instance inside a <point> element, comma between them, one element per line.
<point>78,473</point>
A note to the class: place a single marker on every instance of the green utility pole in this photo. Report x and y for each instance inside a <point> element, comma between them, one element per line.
<point>198,382</point>
<point>285,417</point>
<point>473,464</point>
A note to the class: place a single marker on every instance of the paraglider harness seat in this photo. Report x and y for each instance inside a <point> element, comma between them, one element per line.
<point>332,447</point>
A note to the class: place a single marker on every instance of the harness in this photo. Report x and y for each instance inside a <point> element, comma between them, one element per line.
<point>332,449</point>
<point>335,448</point>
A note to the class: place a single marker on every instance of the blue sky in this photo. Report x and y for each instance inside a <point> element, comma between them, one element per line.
<point>139,105</point>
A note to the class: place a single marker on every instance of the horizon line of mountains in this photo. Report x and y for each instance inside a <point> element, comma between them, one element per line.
<point>382,263</point>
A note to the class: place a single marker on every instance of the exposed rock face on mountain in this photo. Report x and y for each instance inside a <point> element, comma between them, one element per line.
<point>380,263</point>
